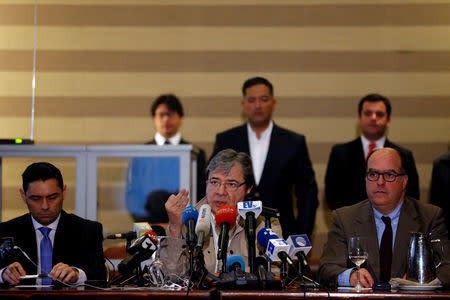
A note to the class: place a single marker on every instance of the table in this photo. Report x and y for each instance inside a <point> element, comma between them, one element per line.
<point>71,293</point>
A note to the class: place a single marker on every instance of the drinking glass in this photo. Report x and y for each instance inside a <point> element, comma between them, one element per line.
<point>358,255</point>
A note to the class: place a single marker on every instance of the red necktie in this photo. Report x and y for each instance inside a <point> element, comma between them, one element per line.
<point>371,147</point>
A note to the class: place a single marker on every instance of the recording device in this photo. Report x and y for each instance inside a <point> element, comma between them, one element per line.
<point>190,215</point>
<point>7,253</point>
<point>236,277</point>
<point>381,287</point>
<point>203,225</point>
<point>141,249</point>
<point>276,249</point>
<point>225,219</point>
<point>250,211</point>
<point>300,247</point>
<point>266,279</point>
<point>126,235</point>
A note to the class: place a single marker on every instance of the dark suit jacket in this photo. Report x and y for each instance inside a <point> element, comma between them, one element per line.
<point>287,167</point>
<point>345,178</point>
<point>358,220</point>
<point>201,168</point>
<point>78,243</point>
<point>440,185</point>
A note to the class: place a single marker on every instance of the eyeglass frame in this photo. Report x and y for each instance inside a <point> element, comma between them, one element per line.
<point>238,185</point>
<point>393,173</point>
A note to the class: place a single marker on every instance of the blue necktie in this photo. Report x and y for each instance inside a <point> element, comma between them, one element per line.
<point>46,254</point>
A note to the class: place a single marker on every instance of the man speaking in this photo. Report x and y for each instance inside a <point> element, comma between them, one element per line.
<point>59,246</point>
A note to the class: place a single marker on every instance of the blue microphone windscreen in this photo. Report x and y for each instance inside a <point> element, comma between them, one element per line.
<point>236,259</point>
<point>189,213</point>
<point>265,235</point>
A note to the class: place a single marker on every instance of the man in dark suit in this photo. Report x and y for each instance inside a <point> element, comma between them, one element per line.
<point>440,181</point>
<point>347,161</point>
<point>280,159</point>
<point>167,113</point>
<point>73,252</point>
<point>384,220</point>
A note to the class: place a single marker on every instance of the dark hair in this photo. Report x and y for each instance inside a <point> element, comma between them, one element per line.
<point>227,158</point>
<point>41,171</point>
<point>257,80</point>
<point>171,101</point>
<point>375,98</point>
<point>401,154</point>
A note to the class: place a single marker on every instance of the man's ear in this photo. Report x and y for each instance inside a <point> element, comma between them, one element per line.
<point>22,194</point>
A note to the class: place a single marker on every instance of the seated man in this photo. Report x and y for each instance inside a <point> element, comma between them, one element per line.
<point>64,246</point>
<point>230,178</point>
<point>385,219</point>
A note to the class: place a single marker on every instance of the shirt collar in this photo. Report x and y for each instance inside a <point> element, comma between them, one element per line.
<point>264,135</point>
<point>379,143</point>
<point>52,225</point>
<point>160,140</point>
<point>393,214</point>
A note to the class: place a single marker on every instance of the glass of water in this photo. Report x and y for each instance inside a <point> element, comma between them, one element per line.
<point>358,255</point>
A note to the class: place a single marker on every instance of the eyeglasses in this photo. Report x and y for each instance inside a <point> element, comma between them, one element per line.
<point>163,114</point>
<point>388,176</point>
<point>230,186</point>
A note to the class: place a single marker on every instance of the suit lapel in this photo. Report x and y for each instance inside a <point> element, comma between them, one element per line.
<point>365,227</point>
<point>275,148</point>
<point>407,223</point>
<point>29,242</point>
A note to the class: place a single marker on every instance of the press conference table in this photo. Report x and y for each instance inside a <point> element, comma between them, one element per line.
<point>15,293</point>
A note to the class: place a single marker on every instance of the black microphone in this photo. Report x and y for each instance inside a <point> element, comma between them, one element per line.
<point>127,235</point>
<point>142,249</point>
<point>261,265</point>
<point>250,211</point>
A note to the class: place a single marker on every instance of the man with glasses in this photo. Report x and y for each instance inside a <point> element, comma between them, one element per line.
<point>167,113</point>
<point>347,161</point>
<point>384,220</point>
<point>230,178</point>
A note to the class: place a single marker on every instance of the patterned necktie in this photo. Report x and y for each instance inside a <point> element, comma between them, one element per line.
<point>371,148</point>
<point>386,251</point>
<point>46,254</point>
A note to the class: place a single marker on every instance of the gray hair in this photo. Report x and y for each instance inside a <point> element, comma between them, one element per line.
<point>226,159</point>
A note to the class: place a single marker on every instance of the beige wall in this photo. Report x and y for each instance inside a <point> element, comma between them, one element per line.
<point>101,63</point>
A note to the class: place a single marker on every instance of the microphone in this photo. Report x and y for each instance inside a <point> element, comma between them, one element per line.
<point>250,211</point>
<point>300,247</point>
<point>261,265</point>
<point>276,249</point>
<point>141,249</point>
<point>126,235</point>
<point>190,215</point>
<point>225,219</point>
<point>235,263</point>
<point>203,225</point>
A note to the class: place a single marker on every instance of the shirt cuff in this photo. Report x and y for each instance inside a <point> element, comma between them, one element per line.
<point>81,276</point>
<point>1,274</point>
<point>344,278</point>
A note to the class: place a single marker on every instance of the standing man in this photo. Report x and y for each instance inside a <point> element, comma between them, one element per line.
<point>347,161</point>
<point>280,159</point>
<point>64,246</point>
<point>167,113</point>
<point>440,185</point>
<point>385,219</point>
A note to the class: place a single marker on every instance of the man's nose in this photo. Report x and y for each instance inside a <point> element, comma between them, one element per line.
<point>381,180</point>
<point>221,189</point>
<point>44,204</point>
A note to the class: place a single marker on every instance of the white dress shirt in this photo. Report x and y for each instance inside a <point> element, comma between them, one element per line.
<point>378,144</point>
<point>160,140</point>
<point>258,149</point>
